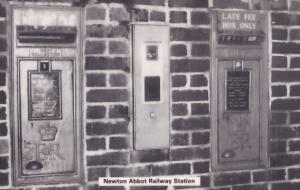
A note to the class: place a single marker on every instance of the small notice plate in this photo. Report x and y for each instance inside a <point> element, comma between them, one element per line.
<point>237,90</point>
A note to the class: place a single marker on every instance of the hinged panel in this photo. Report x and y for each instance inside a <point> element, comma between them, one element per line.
<point>151,86</point>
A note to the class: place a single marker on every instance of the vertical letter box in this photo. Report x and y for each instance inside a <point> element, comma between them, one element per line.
<point>239,89</point>
<point>151,86</point>
<point>46,99</point>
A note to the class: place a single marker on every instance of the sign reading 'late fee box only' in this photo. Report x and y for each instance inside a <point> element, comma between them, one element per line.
<point>239,21</point>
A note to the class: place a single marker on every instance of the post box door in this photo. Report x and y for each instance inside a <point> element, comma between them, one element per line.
<point>238,110</point>
<point>151,86</point>
<point>46,111</point>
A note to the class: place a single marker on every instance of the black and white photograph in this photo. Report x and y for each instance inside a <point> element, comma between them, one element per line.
<point>149,94</point>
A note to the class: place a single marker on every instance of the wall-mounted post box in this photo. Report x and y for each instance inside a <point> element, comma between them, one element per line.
<point>151,86</point>
<point>239,89</point>
<point>45,83</point>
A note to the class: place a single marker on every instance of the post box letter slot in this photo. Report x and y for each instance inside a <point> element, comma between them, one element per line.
<point>152,89</point>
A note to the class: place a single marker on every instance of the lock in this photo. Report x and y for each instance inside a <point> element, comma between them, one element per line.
<point>151,86</point>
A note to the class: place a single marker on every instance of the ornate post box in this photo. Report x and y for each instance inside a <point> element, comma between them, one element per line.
<point>239,89</point>
<point>151,86</point>
<point>46,88</point>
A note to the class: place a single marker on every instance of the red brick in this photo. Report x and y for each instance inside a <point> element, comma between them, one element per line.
<point>198,80</point>
<point>95,47</point>
<point>95,13</point>
<point>280,18</point>
<point>118,111</point>
<point>189,95</point>
<point>4,180</point>
<point>106,128</point>
<point>278,118</point>
<point>270,175</point>
<point>279,91</point>
<point>95,80</point>
<point>106,63</point>
<point>178,17</point>
<point>285,76</point>
<point>119,14</point>
<point>286,186</point>
<point>179,109</point>
<point>279,5</point>
<point>200,138</point>
<point>144,170</point>
<point>118,80</point>
<point>279,62</point>
<point>231,4</point>
<point>294,173</point>
<point>286,48</point>
<point>295,62</point>
<point>294,145</point>
<point>200,167</point>
<point>232,178</point>
<point>95,112</point>
<point>149,156</point>
<point>107,95</point>
<point>118,47</point>
<point>294,34</point>
<point>150,2</point>
<point>200,109</point>
<point>3,129</point>
<point>3,44</point>
<point>178,81</point>
<point>3,162</point>
<point>189,65</point>
<point>285,160</point>
<point>95,144</point>
<point>279,34</point>
<point>140,15</point>
<point>178,50</point>
<point>200,50</point>
<point>157,16</point>
<point>189,34</point>
<point>189,153</point>
<point>282,132</point>
<point>191,123</point>
<point>277,147</point>
<point>3,26</point>
<point>109,158</point>
<point>2,11</point>
<point>180,139</point>
<point>285,104</point>
<point>118,143</point>
<point>3,62</point>
<point>294,117</point>
<point>198,17</point>
<point>251,187</point>
<point>188,3</point>
<point>95,173</point>
<point>99,30</point>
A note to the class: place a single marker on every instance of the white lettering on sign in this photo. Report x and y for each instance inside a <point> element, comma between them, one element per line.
<point>46,52</point>
<point>238,21</point>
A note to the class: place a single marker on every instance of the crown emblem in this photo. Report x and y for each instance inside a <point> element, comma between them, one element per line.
<point>47,132</point>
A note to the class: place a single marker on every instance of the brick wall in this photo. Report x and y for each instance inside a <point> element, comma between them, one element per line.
<point>107,95</point>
